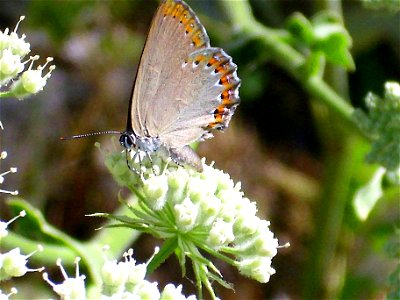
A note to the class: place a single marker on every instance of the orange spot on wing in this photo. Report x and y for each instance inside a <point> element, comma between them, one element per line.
<point>189,27</point>
<point>197,39</point>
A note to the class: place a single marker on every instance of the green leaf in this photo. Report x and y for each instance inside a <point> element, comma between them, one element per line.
<point>222,282</point>
<point>166,250</point>
<point>332,38</point>
<point>334,41</point>
<point>300,28</point>
<point>367,196</point>
<point>122,219</point>
<point>382,125</point>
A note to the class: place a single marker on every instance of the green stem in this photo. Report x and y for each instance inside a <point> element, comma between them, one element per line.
<point>67,247</point>
<point>52,252</point>
<point>329,223</point>
<point>240,14</point>
<point>48,256</point>
<point>337,147</point>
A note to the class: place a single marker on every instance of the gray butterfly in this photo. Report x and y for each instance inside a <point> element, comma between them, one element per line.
<point>184,88</point>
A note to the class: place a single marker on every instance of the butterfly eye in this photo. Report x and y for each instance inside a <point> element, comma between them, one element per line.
<point>127,140</point>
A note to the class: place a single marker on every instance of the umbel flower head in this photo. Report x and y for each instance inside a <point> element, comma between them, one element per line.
<point>120,280</point>
<point>71,287</point>
<point>14,81</point>
<point>13,263</point>
<point>196,213</point>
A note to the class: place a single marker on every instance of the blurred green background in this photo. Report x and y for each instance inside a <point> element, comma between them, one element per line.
<point>274,145</point>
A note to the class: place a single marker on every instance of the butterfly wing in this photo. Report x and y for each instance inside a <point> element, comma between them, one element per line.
<point>183,87</point>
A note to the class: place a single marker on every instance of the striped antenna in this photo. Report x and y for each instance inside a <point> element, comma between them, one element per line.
<point>79,136</point>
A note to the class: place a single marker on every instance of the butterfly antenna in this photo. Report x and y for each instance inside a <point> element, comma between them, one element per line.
<point>79,136</point>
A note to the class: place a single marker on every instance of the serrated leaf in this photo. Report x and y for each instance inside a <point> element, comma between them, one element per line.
<point>334,41</point>
<point>383,126</point>
<point>166,250</point>
<point>222,282</point>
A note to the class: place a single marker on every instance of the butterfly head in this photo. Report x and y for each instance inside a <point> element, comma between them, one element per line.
<point>130,140</point>
<point>127,140</point>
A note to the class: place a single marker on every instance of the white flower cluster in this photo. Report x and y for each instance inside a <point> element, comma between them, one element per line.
<point>71,287</point>
<point>3,155</point>
<point>15,81</point>
<point>210,208</point>
<point>202,211</point>
<point>121,280</point>
<point>126,280</point>
<point>13,263</point>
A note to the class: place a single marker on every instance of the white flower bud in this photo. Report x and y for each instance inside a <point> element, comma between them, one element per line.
<point>148,291</point>
<point>258,268</point>
<point>137,273</point>
<point>221,234</point>
<point>155,189</point>
<point>4,39</point>
<point>177,181</point>
<point>171,292</point>
<point>196,189</point>
<point>18,44</point>
<point>210,209</point>
<point>10,65</point>
<point>4,225</point>
<point>114,277</point>
<point>186,214</point>
<point>72,288</point>
<point>392,89</point>
<point>14,263</point>
<point>31,81</point>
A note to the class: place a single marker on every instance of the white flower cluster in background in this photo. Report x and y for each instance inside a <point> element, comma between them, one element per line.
<point>15,79</point>
<point>121,280</point>
<point>13,263</point>
<point>3,155</point>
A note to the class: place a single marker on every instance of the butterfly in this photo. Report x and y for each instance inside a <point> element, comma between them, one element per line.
<point>183,90</point>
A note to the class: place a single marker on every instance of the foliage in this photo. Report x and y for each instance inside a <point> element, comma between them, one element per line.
<point>349,215</point>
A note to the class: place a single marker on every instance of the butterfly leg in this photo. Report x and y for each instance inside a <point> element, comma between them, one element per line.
<point>151,162</point>
<point>128,164</point>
